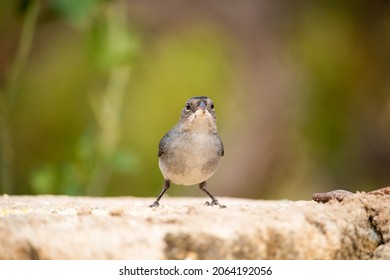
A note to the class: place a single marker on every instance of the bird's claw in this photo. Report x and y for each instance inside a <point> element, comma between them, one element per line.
<point>214,202</point>
<point>154,205</point>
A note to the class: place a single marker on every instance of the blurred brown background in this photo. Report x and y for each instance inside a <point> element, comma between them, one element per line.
<point>88,88</point>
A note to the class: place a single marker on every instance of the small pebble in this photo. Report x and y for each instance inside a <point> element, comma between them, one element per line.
<point>84,210</point>
<point>116,211</point>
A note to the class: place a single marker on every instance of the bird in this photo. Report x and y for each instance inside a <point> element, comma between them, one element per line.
<point>190,152</point>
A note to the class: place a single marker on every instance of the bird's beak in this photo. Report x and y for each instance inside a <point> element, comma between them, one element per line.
<point>202,106</point>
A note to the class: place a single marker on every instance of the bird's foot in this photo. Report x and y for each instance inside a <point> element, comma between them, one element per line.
<point>154,205</point>
<point>214,202</point>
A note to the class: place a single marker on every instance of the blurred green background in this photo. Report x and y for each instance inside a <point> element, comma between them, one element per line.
<point>88,88</point>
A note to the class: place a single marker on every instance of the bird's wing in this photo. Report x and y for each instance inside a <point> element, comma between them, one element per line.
<point>163,146</point>
<point>222,148</point>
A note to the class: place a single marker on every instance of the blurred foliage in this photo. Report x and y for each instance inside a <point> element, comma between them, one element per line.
<point>88,88</point>
<point>75,11</point>
<point>78,134</point>
<point>340,52</point>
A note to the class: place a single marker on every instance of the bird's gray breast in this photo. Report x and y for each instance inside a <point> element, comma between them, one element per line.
<point>191,158</point>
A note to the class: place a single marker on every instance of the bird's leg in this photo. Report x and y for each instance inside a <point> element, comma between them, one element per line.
<point>166,186</point>
<point>214,201</point>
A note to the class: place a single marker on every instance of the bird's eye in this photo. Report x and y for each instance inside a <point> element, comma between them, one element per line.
<point>212,106</point>
<point>188,107</point>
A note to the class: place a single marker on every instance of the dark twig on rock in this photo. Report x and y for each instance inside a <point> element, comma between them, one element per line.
<point>340,195</point>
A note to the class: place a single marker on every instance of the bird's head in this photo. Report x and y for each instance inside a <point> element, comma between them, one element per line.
<point>198,113</point>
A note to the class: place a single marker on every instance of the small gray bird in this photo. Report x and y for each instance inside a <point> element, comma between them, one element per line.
<point>190,152</point>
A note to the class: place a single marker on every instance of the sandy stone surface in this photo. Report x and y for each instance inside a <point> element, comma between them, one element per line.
<point>61,227</point>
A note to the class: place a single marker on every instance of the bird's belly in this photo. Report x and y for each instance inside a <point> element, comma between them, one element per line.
<point>189,169</point>
<point>191,178</point>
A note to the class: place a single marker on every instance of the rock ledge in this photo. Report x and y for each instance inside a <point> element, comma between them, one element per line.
<point>62,227</point>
